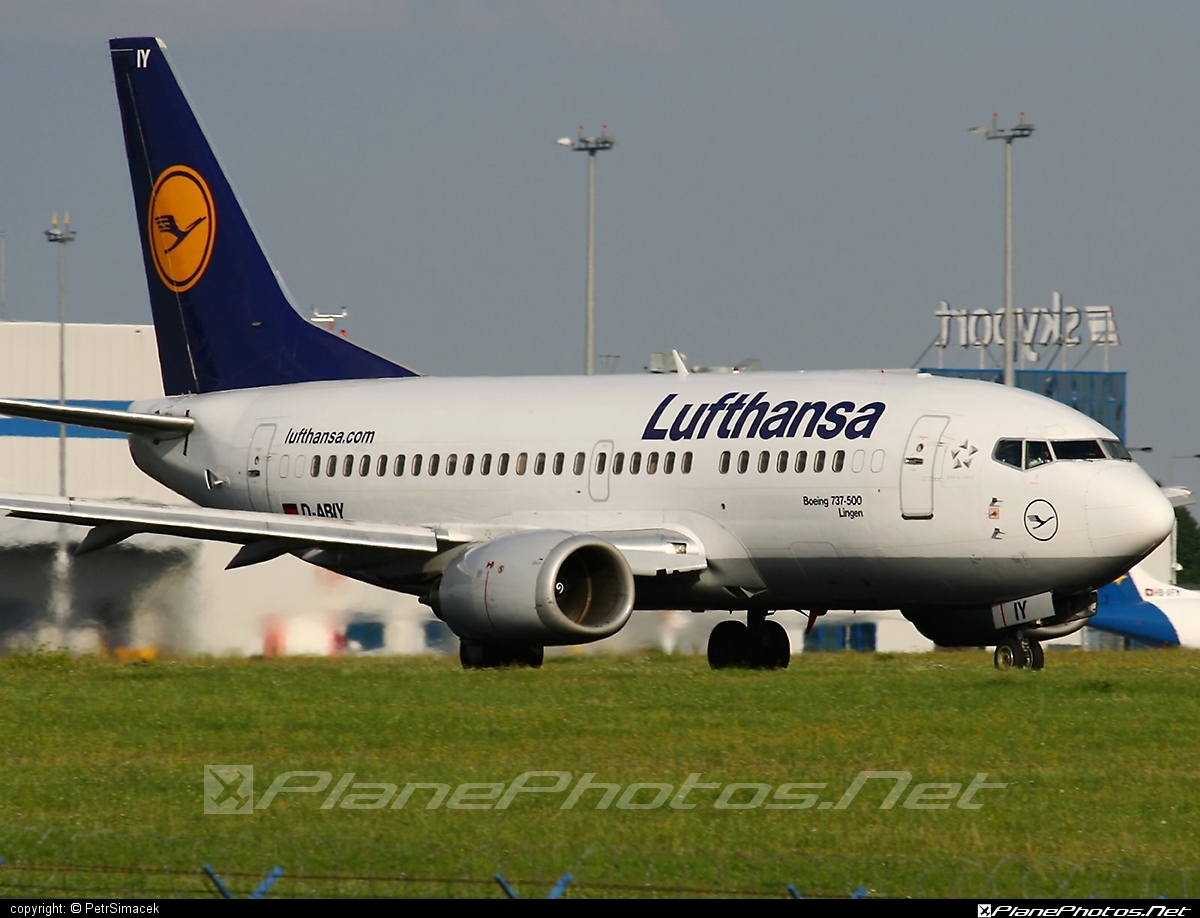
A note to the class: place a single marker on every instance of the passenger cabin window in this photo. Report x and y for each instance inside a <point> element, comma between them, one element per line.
<point>764,461</point>
<point>618,463</point>
<point>601,463</point>
<point>485,465</point>
<point>781,464</point>
<point>433,464</point>
<point>580,462</point>
<point>539,464</point>
<point>398,466</point>
<point>522,462</point>
<point>819,461</point>
<point>651,463</point>
<point>839,460</point>
<point>468,463</point>
<point>364,466</point>
<point>559,460</point>
<point>331,467</point>
<point>723,463</point>
<point>635,463</point>
<point>801,460</point>
<point>502,464</point>
<point>743,462</point>
<point>416,465</point>
<point>347,466</point>
<point>381,465</point>
<point>668,463</point>
<point>686,465</point>
<point>315,471</point>
<point>451,463</point>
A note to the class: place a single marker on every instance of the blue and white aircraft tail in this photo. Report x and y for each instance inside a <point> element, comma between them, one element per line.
<point>222,318</point>
<point>1141,607</point>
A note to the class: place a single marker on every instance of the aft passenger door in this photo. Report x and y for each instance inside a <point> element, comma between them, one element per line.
<point>917,470</point>
<point>598,470</point>
<point>256,466</point>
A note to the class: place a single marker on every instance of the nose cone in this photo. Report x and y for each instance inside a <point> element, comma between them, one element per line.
<point>1127,515</point>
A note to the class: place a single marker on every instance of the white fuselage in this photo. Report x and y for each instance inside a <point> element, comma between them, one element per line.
<point>897,501</point>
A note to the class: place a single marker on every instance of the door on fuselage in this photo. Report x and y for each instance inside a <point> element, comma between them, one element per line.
<point>598,471</point>
<point>257,460</point>
<point>918,468</point>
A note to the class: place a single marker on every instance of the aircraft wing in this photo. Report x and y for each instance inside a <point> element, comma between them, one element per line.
<point>128,422</point>
<point>268,535</point>
<point>264,535</point>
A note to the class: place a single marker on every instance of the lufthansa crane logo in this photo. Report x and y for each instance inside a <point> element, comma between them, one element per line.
<point>182,225</point>
<point>1041,520</point>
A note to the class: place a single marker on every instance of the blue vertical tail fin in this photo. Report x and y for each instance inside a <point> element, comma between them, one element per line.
<point>221,316</point>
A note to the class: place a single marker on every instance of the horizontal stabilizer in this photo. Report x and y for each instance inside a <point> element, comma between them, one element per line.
<point>117,520</point>
<point>99,418</point>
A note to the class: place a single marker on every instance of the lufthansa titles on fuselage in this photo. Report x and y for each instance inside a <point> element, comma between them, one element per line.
<point>741,415</point>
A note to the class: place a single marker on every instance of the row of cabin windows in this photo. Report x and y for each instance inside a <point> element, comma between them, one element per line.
<point>363,466</point>
<point>783,461</point>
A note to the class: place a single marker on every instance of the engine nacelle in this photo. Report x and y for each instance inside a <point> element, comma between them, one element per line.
<point>544,587</point>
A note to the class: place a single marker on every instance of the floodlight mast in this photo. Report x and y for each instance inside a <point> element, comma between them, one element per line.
<point>60,588</point>
<point>62,235</point>
<point>1019,130</point>
<point>591,146</point>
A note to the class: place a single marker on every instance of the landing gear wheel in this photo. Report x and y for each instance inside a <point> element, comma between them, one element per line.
<point>1010,654</point>
<point>1037,656</point>
<point>728,645</point>
<point>770,647</point>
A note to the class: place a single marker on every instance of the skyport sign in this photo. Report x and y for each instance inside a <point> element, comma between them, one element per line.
<point>1038,330</point>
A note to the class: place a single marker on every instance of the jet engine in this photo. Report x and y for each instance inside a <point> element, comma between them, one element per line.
<point>540,588</point>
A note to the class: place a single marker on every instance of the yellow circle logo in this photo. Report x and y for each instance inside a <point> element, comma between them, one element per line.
<point>182,225</point>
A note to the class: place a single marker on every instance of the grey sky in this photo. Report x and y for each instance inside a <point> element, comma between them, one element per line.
<point>793,182</point>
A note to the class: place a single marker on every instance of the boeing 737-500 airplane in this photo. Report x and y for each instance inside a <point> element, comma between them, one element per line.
<point>530,512</point>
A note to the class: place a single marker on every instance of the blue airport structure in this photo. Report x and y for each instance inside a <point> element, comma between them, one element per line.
<point>1097,393</point>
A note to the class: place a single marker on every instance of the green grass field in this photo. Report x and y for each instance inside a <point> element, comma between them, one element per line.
<point>103,788</point>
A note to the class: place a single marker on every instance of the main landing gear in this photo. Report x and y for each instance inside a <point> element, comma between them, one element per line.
<point>759,644</point>
<point>490,656</point>
<point>1013,652</point>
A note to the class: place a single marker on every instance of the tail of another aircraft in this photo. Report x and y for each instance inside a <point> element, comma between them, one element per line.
<point>221,316</point>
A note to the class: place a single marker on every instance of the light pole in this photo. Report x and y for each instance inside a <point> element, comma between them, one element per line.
<point>62,235</point>
<point>60,598</point>
<point>1021,129</point>
<point>591,146</point>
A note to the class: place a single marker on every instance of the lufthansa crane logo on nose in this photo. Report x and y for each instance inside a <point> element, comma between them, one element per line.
<point>1041,520</point>
<point>182,226</point>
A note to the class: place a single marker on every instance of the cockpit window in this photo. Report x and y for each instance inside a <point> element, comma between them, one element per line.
<point>1008,452</point>
<point>1029,454</point>
<point>1078,449</point>
<point>1037,452</point>
<point>1116,450</point>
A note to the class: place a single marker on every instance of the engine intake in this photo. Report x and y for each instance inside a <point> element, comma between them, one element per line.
<point>544,587</point>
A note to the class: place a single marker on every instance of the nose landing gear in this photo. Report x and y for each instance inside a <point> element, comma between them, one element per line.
<point>1019,653</point>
